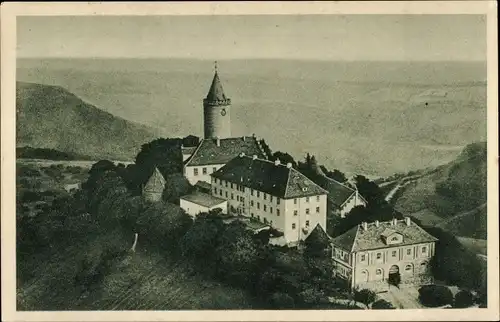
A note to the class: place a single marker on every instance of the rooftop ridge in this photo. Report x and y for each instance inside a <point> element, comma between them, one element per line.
<point>340,183</point>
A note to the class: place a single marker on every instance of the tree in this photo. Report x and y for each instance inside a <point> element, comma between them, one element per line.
<point>364,296</point>
<point>382,305</point>
<point>335,174</point>
<point>463,299</point>
<point>435,295</point>
<point>266,148</point>
<point>282,301</point>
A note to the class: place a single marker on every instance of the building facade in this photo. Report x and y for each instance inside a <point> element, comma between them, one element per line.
<point>342,198</point>
<point>271,193</point>
<point>380,254</point>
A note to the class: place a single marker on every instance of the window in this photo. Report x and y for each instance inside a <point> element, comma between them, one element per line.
<point>204,170</point>
<point>215,180</point>
<point>258,217</point>
<point>307,199</point>
<point>277,212</point>
<point>271,222</point>
<point>258,205</point>
<point>408,251</point>
<point>424,249</point>
<point>394,253</point>
<point>265,220</point>
<point>307,211</point>
<point>220,193</point>
<point>408,268</point>
<point>294,201</point>
<point>363,257</point>
<point>278,201</point>
<point>395,238</point>
<point>379,255</point>
<point>237,198</point>
<point>232,186</point>
<point>214,169</point>
<point>232,196</point>
<point>215,191</point>
<point>295,212</point>
<point>226,184</point>
<point>378,271</point>
<point>195,171</point>
<point>307,223</point>
<point>293,226</point>
<point>265,207</point>
<point>265,196</point>
<point>271,198</point>
<point>226,194</point>
<point>251,192</point>
<point>242,199</point>
<point>251,203</point>
<point>258,193</point>
<point>317,209</point>
<point>317,198</point>
<point>251,215</point>
<point>271,209</point>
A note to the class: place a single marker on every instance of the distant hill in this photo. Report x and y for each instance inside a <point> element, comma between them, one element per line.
<point>453,196</point>
<point>50,117</point>
<point>27,152</point>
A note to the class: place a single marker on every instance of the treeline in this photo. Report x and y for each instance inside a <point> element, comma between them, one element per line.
<point>28,152</point>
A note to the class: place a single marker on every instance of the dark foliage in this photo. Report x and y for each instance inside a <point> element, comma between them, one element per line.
<point>190,141</point>
<point>364,296</point>
<point>435,295</point>
<point>284,158</point>
<point>335,174</point>
<point>382,305</point>
<point>28,152</point>
<point>463,299</point>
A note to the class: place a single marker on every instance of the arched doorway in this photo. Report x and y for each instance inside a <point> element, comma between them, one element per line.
<point>364,276</point>
<point>394,275</point>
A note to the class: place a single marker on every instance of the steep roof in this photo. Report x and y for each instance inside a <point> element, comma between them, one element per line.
<point>203,199</point>
<point>208,152</point>
<point>188,149</point>
<point>216,92</point>
<point>338,193</point>
<point>265,176</point>
<point>357,239</point>
<point>156,183</point>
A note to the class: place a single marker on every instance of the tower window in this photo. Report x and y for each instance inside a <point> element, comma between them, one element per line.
<point>317,209</point>
<point>293,226</point>
<point>295,212</point>
<point>307,199</point>
<point>204,170</point>
<point>307,211</point>
<point>195,171</point>
<point>295,201</point>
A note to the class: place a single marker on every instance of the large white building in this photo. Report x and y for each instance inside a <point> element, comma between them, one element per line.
<point>272,193</point>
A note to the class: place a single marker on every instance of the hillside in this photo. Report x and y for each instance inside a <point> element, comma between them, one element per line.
<point>452,196</point>
<point>50,117</point>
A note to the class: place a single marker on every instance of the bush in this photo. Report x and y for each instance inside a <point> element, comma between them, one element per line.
<point>463,299</point>
<point>282,301</point>
<point>382,305</point>
<point>364,296</point>
<point>435,295</point>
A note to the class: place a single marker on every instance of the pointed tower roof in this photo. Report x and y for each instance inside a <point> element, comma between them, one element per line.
<point>216,92</point>
<point>156,182</point>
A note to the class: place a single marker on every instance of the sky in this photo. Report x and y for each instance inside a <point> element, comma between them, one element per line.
<point>311,37</point>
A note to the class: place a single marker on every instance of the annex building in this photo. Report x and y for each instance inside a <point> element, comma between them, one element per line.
<point>379,254</point>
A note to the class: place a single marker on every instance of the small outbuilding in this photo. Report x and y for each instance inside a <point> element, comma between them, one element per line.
<point>197,202</point>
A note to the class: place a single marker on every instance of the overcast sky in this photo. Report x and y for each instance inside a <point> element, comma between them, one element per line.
<point>326,37</point>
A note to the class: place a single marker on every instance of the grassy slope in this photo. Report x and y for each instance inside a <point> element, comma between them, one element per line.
<point>51,117</point>
<point>463,213</point>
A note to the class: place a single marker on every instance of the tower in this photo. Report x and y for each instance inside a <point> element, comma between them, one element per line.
<point>216,111</point>
<point>153,189</point>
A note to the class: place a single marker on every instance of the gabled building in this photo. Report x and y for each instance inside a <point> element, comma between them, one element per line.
<point>342,198</point>
<point>272,193</point>
<point>198,202</point>
<point>376,255</point>
<point>212,154</point>
<point>153,189</point>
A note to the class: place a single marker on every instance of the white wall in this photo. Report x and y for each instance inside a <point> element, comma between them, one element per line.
<point>194,209</point>
<point>352,202</point>
<point>189,172</point>
<point>300,220</point>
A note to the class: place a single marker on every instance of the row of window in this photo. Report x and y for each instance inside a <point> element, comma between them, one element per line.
<point>203,171</point>
<point>408,268</point>
<point>294,225</point>
<point>394,253</point>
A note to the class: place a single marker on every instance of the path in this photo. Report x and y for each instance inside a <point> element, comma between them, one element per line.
<point>402,298</point>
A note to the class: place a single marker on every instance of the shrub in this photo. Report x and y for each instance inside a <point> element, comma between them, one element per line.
<point>435,295</point>
<point>282,301</point>
<point>382,305</point>
<point>463,299</point>
<point>364,296</point>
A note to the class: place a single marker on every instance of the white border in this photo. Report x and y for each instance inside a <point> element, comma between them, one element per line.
<point>8,56</point>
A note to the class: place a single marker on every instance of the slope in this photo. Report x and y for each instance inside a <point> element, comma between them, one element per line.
<point>51,117</point>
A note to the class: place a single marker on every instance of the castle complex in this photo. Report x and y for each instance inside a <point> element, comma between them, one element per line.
<point>235,175</point>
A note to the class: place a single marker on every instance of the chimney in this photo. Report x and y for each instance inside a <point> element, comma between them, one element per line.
<point>289,165</point>
<point>254,157</point>
<point>364,224</point>
<point>244,138</point>
<point>242,154</point>
<point>377,223</point>
<point>217,141</point>
<point>277,162</point>
<point>407,221</point>
<point>394,222</point>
